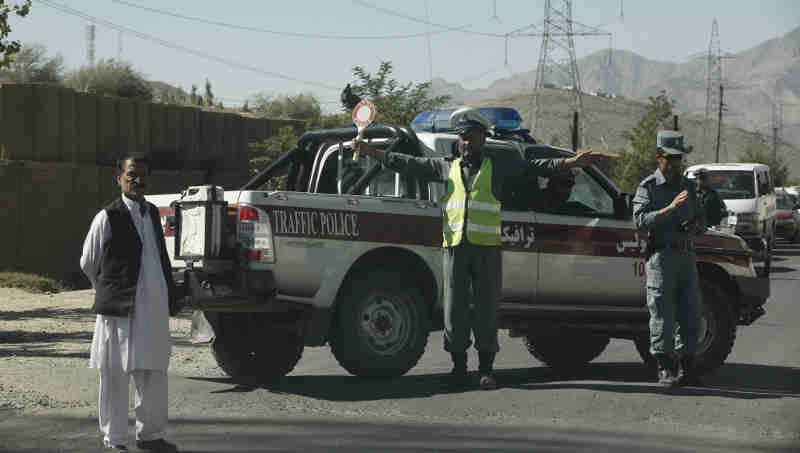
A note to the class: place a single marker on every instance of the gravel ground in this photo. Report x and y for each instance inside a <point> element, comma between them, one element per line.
<point>42,334</point>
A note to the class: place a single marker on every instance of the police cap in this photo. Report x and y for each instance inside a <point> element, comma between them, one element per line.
<point>670,143</point>
<point>469,118</point>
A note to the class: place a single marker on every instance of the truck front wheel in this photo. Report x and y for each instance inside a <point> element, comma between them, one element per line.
<point>246,349</point>
<point>382,325</point>
<point>716,334</point>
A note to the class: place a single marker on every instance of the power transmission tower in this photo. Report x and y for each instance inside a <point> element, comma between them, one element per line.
<point>557,54</point>
<point>90,37</point>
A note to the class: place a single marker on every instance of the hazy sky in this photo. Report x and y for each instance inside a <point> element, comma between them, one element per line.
<point>241,60</point>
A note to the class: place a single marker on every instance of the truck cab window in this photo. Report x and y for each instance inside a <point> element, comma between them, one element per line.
<point>576,193</point>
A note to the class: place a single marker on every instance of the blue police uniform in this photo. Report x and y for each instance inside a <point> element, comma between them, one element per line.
<point>673,294</point>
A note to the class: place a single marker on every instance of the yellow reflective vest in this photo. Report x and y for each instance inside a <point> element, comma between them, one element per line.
<point>480,209</point>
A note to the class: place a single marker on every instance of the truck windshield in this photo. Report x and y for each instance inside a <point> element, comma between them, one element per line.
<point>733,184</point>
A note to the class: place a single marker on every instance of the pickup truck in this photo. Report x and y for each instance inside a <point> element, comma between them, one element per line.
<point>348,253</point>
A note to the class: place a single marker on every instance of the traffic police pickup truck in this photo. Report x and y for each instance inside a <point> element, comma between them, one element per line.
<point>347,253</point>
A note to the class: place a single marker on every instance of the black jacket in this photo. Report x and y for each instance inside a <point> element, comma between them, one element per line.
<point>115,290</point>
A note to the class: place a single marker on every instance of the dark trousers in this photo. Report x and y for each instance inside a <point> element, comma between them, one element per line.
<point>472,277</point>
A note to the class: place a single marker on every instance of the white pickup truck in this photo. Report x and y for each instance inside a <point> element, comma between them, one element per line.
<point>347,253</point>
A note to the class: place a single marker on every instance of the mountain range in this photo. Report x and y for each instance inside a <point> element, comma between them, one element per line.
<point>752,79</point>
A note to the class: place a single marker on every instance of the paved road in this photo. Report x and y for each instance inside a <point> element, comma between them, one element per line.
<point>752,403</point>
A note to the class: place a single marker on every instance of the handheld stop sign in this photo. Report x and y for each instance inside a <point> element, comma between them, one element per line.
<point>363,115</point>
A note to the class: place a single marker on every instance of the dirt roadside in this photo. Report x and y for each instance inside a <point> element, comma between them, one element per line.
<point>47,335</point>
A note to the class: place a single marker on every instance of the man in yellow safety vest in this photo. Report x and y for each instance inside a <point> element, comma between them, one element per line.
<point>475,182</point>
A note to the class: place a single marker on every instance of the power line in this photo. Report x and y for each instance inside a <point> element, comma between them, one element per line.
<point>461,29</point>
<point>272,32</point>
<point>71,11</point>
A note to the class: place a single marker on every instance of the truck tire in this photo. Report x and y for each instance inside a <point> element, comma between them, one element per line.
<point>244,352</point>
<point>381,325</point>
<point>567,351</point>
<point>717,331</point>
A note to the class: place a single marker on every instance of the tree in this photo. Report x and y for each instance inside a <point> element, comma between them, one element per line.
<point>555,140</point>
<point>111,78</point>
<point>193,96</point>
<point>31,65</point>
<point>304,106</point>
<point>9,48</point>
<point>759,151</point>
<point>246,107</point>
<point>262,154</point>
<point>639,159</point>
<point>396,103</point>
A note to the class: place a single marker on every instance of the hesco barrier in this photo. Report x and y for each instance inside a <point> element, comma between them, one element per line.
<point>58,152</point>
<point>48,207</point>
<point>52,124</point>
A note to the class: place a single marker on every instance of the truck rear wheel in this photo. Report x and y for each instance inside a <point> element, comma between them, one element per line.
<point>716,335</point>
<point>382,325</point>
<point>243,350</point>
<point>567,351</point>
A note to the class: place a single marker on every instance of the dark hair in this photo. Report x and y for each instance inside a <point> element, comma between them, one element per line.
<point>139,158</point>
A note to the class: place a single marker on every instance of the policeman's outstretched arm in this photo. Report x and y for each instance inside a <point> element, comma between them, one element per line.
<point>424,168</point>
<point>582,158</point>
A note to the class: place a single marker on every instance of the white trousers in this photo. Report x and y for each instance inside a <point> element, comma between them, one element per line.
<point>150,401</point>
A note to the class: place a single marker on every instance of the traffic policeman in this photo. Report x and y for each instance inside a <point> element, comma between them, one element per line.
<point>708,199</point>
<point>665,206</point>
<point>475,183</point>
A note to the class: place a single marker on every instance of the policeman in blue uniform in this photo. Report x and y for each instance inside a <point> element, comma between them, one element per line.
<point>666,207</point>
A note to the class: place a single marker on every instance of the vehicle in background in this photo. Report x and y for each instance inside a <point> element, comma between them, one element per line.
<point>749,195</point>
<point>793,190</point>
<point>787,215</point>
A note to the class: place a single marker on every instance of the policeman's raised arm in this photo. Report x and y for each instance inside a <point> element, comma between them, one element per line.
<point>423,168</point>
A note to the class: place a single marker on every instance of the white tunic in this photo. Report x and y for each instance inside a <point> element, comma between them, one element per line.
<point>144,339</point>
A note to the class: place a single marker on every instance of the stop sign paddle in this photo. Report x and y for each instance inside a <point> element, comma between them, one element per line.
<point>363,115</point>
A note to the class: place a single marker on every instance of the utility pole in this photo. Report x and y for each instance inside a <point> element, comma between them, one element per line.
<point>719,122</point>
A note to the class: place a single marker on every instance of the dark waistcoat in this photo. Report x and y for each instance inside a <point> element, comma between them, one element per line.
<point>115,291</point>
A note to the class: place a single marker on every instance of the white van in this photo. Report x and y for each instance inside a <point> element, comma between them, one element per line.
<point>749,195</point>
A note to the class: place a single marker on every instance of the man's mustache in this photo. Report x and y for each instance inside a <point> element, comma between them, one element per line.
<point>138,185</point>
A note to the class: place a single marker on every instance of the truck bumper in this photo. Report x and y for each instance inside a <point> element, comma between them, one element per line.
<point>754,292</point>
<point>211,299</point>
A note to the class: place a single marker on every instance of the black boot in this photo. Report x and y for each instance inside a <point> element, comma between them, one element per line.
<point>667,371</point>
<point>459,371</point>
<point>687,374</point>
<point>486,370</point>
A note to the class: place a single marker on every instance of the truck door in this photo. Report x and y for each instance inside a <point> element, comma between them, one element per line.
<point>586,256</point>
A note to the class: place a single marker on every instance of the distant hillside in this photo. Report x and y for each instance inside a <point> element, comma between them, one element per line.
<point>609,118</point>
<point>750,81</point>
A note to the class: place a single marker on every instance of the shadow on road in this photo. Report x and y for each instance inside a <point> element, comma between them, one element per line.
<point>741,381</point>
<point>282,434</point>
<point>66,314</point>
<point>20,343</point>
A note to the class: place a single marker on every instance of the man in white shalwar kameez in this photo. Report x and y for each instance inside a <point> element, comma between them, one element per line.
<point>131,334</point>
